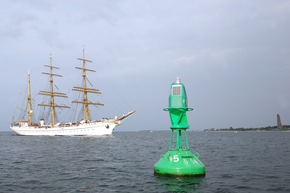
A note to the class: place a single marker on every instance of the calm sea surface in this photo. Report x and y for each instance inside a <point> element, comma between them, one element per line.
<point>235,162</point>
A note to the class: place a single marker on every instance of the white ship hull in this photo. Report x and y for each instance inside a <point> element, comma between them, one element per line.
<point>93,128</point>
<point>86,129</point>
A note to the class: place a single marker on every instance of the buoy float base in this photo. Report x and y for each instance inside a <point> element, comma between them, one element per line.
<point>179,163</point>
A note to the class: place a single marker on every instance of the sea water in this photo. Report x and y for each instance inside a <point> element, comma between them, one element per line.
<point>124,162</point>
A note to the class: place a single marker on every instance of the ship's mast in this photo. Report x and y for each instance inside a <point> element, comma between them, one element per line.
<point>28,109</point>
<point>29,103</point>
<point>51,92</point>
<point>85,90</point>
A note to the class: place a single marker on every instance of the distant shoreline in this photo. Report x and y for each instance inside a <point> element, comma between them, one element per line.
<point>259,129</point>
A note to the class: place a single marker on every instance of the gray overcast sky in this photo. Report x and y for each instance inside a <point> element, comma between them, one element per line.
<point>232,56</point>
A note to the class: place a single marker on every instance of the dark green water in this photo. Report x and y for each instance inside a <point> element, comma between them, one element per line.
<point>235,162</point>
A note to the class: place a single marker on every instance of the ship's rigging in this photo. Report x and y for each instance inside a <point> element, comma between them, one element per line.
<point>51,93</point>
<point>85,90</point>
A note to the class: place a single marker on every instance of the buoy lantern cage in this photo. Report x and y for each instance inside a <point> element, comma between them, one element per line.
<point>179,161</point>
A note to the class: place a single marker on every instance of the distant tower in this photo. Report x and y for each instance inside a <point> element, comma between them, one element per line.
<point>279,124</point>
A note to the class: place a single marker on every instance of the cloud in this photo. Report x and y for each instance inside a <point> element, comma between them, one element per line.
<point>233,55</point>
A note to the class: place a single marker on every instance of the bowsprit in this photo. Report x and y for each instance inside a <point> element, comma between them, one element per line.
<point>179,161</point>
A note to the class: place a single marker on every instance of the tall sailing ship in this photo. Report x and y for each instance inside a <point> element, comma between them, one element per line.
<point>84,127</point>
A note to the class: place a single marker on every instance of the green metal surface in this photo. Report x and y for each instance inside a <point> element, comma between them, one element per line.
<point>179,161</point>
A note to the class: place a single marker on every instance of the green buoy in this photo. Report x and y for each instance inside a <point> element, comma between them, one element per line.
<point>179,161</point>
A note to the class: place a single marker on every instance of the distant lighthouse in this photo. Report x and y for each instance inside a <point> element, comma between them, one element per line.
<point>179,161</point>
<point>279,123</point>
